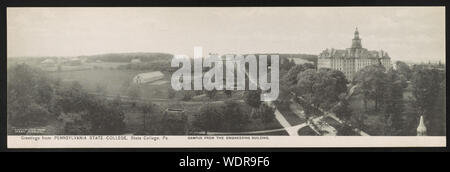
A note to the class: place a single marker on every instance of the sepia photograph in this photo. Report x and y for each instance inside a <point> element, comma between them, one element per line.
<point>226,76</point>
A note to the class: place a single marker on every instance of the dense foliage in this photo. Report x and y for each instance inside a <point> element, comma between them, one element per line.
<point>34,100</point>
<point>225,117</point>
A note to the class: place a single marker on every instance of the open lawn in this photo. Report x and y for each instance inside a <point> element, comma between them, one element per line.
<point>114,82</point>
<point>307,131</point>
<point>105,65</point>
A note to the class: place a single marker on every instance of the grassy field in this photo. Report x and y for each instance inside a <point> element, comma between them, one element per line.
<point>114,82</point>
<point>307,131</point>
<point>105,65</point>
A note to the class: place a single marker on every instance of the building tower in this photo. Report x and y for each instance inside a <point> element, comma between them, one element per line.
<point>356,42</point>
<point>421,129</point>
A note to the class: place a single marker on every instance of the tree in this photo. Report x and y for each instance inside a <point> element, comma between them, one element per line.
<point>134,92</point>
<point>320,89</point>
<point>170,93</point>
<point>44,90</point>
<point>233,118</point>
<point>428,87</point>
<point>266,113</point>
<point>73,99</point>
<point>284,94</point>
<point>425,83</point>
<point>436,119</point>
<point>345,130</point>
<point>74,125</point>
<point>147,109</point>
<point>393,100</point>
<point>372,81</point>
<point>228,93</point>
<point>187,95</point>
<point>91,115</point>
<point>253,99</point>
<point>29,96</point>
<point>286,64</point>
<point>209,119</point>
<point>343,110</point>
<point>34,115</point>
<point>34,100</point>
<point>404,69</point>
<point>291,76</point>
<point>340,80</point>
<point>100,89</point>
<point>211,93</point>
<point>117,101</point>
<point>104,119</point>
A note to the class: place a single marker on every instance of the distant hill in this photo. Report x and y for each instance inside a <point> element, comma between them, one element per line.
<point>151,57</point>
<point>127,57</point>
<point>307,57</point>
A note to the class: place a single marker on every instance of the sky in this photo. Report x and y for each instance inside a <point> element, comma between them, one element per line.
<point>406,33</point>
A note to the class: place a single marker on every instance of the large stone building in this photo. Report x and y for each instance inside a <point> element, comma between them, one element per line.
<point>352,59</point>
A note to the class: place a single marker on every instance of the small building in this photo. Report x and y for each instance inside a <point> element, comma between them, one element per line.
<point>148,77</point>
<point>135,61</point>
<point>74,61</point>
<point>300,61</point>
<point>175,114</point>
<point>48,62</point>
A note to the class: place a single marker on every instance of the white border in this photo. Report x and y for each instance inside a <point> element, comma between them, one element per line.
<point>268,142</point>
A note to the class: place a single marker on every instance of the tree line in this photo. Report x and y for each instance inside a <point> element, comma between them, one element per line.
<point>35,100</point>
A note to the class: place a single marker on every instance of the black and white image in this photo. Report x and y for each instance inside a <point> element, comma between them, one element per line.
<point>144,71</point>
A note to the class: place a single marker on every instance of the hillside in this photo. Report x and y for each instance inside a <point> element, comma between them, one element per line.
<point>127,57</point>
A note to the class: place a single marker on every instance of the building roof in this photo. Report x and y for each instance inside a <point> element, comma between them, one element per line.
<point>353,53</point>
<point>356,51</point>
<point>300,61</point>
<point>150,74</point>
<point>74,59</point>
<point>47,61</point>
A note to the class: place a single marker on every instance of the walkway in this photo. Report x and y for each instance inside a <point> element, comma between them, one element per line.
<point>332,115</point>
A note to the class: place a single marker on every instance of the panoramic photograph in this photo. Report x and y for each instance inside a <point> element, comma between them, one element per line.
<point>235,71</point>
